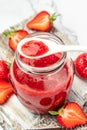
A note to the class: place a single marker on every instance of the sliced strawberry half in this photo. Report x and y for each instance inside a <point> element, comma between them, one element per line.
<point>43,21</point>
<point>15,36</point>
<point>70,115</point>
<point>5,91</point>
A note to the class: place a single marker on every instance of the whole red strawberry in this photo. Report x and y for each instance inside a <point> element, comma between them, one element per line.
<point>81,65</point>
<point>3,70</point>
<point>70,115</point>
<point>43,21</point>
<point>15,36</point>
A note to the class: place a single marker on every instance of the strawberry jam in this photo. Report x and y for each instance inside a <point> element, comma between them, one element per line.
<point>41,84</point>
<point>34,48</point>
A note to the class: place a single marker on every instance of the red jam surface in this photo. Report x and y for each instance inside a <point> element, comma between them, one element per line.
<point>42,62</point>
<point>42,92</point>
<point>34,48</point>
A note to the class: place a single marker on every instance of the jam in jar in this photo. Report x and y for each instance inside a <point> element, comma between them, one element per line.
<point>41,84</point>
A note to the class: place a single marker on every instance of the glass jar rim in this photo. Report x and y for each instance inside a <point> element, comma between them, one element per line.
<point>32,69</point>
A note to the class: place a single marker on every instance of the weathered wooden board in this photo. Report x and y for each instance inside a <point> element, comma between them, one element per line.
<point>14,116</point>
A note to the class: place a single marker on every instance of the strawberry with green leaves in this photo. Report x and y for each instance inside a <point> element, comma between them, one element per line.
<point>15,36</point>
<point>43,21</point>
<point>81,66</point>
<point>70,115</point>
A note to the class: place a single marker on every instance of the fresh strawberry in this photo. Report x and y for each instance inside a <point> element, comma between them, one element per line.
<point>15,36</point>
<point>81,65</point>
<point>3,70</point>
<point>43,21</point>
<point>5,91</point>
<point>70,115</point>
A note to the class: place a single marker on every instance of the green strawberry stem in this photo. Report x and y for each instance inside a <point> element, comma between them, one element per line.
<point>54,113</point>
<point>8,64</point>
<point>10,33</point>
<point>53,17</point>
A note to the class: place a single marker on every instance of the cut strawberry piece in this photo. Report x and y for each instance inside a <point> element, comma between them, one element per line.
<point>81,66</point>
<point>15,36</point>
<point>43,21</point>
<point>70,115</point>
<point>3,70</point>
<point>5,91</point>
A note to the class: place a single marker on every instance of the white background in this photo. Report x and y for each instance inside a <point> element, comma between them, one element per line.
<point>74,15</point>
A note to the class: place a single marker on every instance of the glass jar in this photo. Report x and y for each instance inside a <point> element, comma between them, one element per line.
<point>42,84</point>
